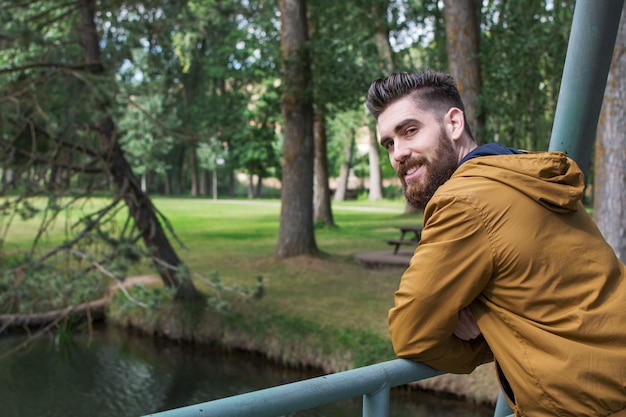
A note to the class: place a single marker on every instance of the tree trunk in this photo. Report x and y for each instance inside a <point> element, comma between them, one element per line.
<point>610,162</point>
<point>231,183</point>
<point>463,46</point>
<point>385,62</point>
<point>259,187</point>
<point>204,181</point>
<point>214,184</point>
<point>139,204</point>
<point>378,14</point>
<point>376,180</point>
<point>344,172</point>
<point>250,184</point>
<point>167,184</point>
<point>322,211</point>
<point>296,233</point>
<point>178,169</point>
<point>193,166</point>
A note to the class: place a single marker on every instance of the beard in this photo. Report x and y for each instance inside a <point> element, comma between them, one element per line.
<point>419,191</point>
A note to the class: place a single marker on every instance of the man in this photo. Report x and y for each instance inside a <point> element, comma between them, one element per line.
<point>509,266</point>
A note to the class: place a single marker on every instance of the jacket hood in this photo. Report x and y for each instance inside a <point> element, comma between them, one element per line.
<point>549,178</point>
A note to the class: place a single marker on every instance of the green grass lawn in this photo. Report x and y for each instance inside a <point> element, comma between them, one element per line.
<point>237,239</point>
<point>315,310</point>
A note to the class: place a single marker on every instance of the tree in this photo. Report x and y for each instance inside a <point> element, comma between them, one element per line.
<point>343,126</point>
<point>462,45</point>
<point>296,235</point>
<point>63,129</point>
<point>321,189</point>
<point>522,53</point>
<point>343,61</point>
<point>378,13</point>
<point>610,159</point>
<point>344,169</point>
<point>322,211</point>
<point>139,204</point>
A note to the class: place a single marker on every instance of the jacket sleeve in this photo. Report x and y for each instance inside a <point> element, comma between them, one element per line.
<point>449,269</point>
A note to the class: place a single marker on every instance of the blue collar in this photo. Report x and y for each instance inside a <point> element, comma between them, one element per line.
<point>488,150</point>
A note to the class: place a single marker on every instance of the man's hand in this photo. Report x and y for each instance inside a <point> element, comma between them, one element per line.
<point>466,328</point>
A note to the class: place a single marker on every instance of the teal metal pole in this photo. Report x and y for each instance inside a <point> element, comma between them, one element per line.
<point>587,64</point>
<point>307,394</point>
<point>502,407</point>
<point>377,404</point>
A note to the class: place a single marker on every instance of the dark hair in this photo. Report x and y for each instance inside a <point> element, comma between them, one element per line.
<point>431,90</point>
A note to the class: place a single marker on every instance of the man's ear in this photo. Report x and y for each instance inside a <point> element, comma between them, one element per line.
<point>454,122</point>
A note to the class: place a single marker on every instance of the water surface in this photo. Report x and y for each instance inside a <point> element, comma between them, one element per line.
<point>117,373</point>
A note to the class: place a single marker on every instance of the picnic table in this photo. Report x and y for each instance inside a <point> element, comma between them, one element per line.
<point>409,235</point>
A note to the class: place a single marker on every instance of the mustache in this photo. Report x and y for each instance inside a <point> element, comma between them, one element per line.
<point>411,163</point>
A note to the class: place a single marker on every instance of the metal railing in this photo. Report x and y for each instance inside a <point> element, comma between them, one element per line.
<point>373,382</point>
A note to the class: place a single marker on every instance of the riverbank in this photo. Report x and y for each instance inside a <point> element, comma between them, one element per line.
<point>288,337</point>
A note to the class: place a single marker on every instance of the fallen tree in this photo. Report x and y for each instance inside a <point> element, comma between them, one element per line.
<point>90,311</point>
<point>93,310</point>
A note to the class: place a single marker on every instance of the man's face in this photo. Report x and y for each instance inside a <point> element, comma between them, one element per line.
<point>419,149</point>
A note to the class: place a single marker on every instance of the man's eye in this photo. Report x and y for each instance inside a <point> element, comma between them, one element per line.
<point>410,131</point>
<point>387,144</point>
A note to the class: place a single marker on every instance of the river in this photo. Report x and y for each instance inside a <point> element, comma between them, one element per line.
<point>117,373</point>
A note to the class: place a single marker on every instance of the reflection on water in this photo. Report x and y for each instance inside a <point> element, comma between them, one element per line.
<point>121,374</point>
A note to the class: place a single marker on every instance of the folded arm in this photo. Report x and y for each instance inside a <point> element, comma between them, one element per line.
<point>430,322</point>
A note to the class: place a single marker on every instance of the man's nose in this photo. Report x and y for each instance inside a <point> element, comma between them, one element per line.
<point>400,152</point>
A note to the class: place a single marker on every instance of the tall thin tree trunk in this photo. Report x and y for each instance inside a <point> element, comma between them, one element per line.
<point>344,171</point>
<point>610,162</point>
<point>193,166</point>
<point>167,184</point>
<point>321,190</point>
<point>139,204</point>
<point>376,180</point>
<point>251,184</point>
<point>214,184</point>
<point>258,192</point>
<point>204,181</point>
<point>296,233</point>
<point>462,46</point>
<point>322,210</point>
<point>385,62</point>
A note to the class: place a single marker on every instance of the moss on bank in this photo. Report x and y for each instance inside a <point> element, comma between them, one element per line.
<point>289,340</point>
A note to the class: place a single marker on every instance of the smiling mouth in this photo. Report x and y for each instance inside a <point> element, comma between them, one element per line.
<point>412,172</point>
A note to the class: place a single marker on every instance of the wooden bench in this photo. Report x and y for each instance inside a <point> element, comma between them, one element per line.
<point>414,239</point>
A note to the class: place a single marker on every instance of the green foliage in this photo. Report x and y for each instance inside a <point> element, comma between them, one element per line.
<point>342,127</point>
<point>37,287</point>
<point>523,50</point>
<point>67,253</point>
<point>216,299</point>
<point>139,297</point>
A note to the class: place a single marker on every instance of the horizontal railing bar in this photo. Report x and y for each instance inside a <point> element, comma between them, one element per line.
<point>310,393</point>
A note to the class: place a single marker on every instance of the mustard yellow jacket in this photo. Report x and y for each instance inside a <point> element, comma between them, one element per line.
<point>508,236</point>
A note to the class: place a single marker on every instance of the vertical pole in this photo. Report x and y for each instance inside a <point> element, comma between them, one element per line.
<point>376,404</point>
<point>502,407</point>
<point>587,64</point>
